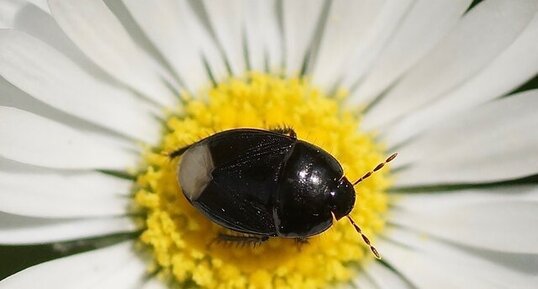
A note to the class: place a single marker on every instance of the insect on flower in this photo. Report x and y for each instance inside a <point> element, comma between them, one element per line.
<point>267,183</point>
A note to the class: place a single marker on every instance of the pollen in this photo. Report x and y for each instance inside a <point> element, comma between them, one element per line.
<point>181,238</point>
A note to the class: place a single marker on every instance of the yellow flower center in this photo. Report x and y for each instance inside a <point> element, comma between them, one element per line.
<point>181,237</point>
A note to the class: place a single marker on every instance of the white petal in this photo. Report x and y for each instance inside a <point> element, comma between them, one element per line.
<point>78,271</point>
<point>58,205</point>
<point>96,31</point>
<point>263,37</point>
<point>32,139</point>
<point>497,141</point>
<point>300,19</point>
<point>14,97</point>
<point>42,4</point>
<point>52,78</point>
<point>434,201</point>
<point>432,264</point>
<point>362,281</point>
<point>227,20</point>
<point>9,9</point>
<point>347,24</point>
<point>481,36</point>
<point>10,6</point>
<point>212,55</point>
<point>164,22</point>
<point>421,271</point>
<point>29,230</point>
<point>490,221</point>
<point>344,286</point>
<point>423,26</point>
<point>40,24</point>
<point>129,276</point>
<point>154,283</point>
<point>74,183</point>
<point>8,12</point>
<point>385,278</point>
<point>37,192</point>
<point>372,44</point>
<point>513,67</point>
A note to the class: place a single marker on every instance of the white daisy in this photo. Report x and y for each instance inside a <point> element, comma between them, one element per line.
<point>86,87</point>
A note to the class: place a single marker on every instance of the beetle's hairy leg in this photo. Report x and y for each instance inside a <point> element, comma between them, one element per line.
<point>301,242</point>
<point>239,240</point>
<point>285,130</point>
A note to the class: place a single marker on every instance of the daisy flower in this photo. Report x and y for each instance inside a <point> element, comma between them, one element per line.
<point>94,95</point>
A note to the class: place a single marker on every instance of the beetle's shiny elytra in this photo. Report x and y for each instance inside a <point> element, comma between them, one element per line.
<point>266,183</point>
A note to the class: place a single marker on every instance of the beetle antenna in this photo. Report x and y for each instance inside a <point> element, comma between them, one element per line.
<point>364,238</point>
<point>377,168</point>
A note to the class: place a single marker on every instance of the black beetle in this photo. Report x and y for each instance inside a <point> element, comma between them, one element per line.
<point>266,183</point>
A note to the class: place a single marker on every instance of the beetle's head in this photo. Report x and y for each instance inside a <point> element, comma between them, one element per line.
<point>342,198</point>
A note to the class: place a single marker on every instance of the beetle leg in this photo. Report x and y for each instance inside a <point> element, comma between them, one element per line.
<point>285,130</point>
<point>301,242</point>
<point>240,240</point>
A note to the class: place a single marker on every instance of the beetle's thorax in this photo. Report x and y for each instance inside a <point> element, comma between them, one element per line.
<point>307,185</point>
